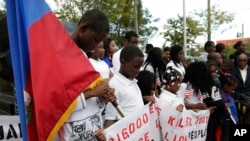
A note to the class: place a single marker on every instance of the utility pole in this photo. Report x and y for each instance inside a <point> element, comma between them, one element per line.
<point>242,32</point>
<point>136,17</point>
<point>184,29</point>
<point>208,20</point>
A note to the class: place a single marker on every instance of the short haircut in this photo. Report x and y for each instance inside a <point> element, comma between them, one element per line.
<point>212,56</point>
<point>96,20</point>
<point>208,44</point>
<point>130,34</point>
<point>129,52</point>
<point>166,49</point>
<point>145,80</point>
<point>149,46</point>
<point>220,47</point>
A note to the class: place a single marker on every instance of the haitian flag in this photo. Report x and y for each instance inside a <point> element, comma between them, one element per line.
<point>48,67</point>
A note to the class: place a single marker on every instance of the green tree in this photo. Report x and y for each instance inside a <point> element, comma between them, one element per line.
<point>216,19</point>
<point>2,9</point>
<point>120,13</point>
<point>174,30</point>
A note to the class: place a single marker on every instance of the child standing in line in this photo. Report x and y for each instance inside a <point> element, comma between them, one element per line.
<point>228,85</point>
<point>128,93</point>
<point>169,91</point>
<point>147,84</point>
<point>192,96</point>
<point>95,59</point>
<point>212,98</point>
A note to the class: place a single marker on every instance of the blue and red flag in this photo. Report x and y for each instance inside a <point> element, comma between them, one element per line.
<point>48,67</point>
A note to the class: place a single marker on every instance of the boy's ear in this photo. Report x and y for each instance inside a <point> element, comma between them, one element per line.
<point>122,61</point>
<point>83,27</point>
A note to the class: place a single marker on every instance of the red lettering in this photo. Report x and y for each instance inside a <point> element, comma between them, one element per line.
<point>118,137</point>
<point>179,123</point>
<point>166,136</point>
<point>151,109</point>
<point>131,128</point>
<point>111,139</point>
<point>157,124</point>
<point>145,118</point>
<point>146,136</point>
<point>138,123</point>
<point>124,133</point>
<point>171,120</point>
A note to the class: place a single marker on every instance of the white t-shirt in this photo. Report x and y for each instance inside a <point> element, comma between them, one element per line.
<point>191,96</point>
<point>128,96</point>
<point>116,60</point>
<point>101,67</point>
<point>148,67</point>
<point>83,121</point>
<point>170,98</point>
<point>203,57</point>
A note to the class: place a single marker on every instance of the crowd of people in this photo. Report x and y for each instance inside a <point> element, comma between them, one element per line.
<point>133,78</point>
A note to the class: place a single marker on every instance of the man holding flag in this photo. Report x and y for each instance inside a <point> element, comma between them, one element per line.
<point>51,72</point>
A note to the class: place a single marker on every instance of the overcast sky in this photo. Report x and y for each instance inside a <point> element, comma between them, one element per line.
<point>165,9</point>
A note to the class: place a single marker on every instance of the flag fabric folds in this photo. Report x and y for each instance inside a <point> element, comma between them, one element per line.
<point>47,65</point>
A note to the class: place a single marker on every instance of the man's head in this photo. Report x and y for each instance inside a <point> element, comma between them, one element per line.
<point>209,46</point>
<point>131,38</point>
<point>148,48</point>
<point>92,28</point>
<point>166,53</point>
<point>216,57</point>
<point>242,60</point>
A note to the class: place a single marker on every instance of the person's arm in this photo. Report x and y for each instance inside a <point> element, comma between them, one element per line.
<point>201,106</point>
<point>108,123</point>
<point>100,90</point>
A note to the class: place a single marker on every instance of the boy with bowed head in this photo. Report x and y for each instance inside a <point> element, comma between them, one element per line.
<point>128,93</point>
<point>92,29</point>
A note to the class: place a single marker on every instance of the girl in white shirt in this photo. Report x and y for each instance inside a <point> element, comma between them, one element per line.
<point>95,59</point>
<point>169,91</point>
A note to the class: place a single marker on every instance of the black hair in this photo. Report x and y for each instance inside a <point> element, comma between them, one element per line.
<point>238,44</point>
<point>175,49</point>
<point>171,75</point>
<point>149,46</point>
<point>197,74</point>
<point>220,47</point>
<point>155,59</point>
<point>106,43</point>
<point>227,79</point>
<point>130,52</point>
<point>130,34</point>
<point>96,20</point>
<point>166,49</point>
<point>145,79</point>
<point>208,44</point>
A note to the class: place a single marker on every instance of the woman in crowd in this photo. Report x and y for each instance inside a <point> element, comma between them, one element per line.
<point>109,46</point>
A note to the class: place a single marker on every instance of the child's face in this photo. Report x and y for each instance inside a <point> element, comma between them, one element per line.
<point>98,50</point>
<point>229,88</point>
<point>213,71</point>
<point>130,69</point>
<point>174,86</point>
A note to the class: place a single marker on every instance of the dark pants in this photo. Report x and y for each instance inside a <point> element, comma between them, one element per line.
<point>213,123</point>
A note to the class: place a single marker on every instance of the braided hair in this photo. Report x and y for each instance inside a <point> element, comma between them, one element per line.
<point>171,75</point>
